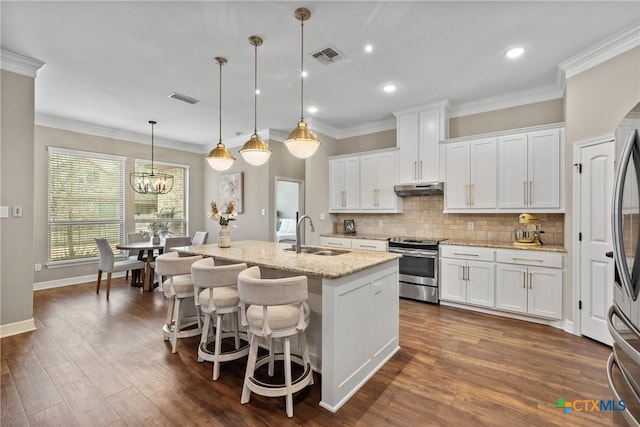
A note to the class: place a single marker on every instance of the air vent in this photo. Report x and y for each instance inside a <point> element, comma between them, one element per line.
<point>327,55</point>
<point>183,98</point>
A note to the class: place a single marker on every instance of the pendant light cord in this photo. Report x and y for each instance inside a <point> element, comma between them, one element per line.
<point>220,105</point>
<point>302,70</point>
<point>152,126</point>
<point>255,89</point>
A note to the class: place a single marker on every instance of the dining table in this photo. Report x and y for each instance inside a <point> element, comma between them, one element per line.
<point>149,247</point>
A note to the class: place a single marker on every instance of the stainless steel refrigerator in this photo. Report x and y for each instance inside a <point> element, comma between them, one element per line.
<point>623,366</point>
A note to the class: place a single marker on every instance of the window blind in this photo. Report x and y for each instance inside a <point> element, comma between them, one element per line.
<point>85,201</point>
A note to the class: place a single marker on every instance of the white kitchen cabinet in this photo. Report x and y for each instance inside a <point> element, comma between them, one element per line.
<point>470,179</point>
<point>344,183</point>
<point>377,178</point>
<point>352,243</point>
<point>530,282</point>
<point>419,132</point>
<point>364,182</point>
<point>529,172</point>
<point>467,276</point>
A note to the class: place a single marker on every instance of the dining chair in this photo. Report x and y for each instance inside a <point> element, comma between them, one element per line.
<point>109,265</point>
<point>170,242</point>
<point>200,238</point>
<point>216,295</point>
<point>177,288</point>
<point>135,255</point>
<point>277,309</point>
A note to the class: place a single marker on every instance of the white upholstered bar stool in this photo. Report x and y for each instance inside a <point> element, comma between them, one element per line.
<point>278,309</point>
<point>217,295</point>
<point>177,287</point>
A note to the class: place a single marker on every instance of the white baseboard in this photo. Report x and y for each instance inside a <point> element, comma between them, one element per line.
<point>16,328</point>
<point>569,327</point>
<point>71,281</point>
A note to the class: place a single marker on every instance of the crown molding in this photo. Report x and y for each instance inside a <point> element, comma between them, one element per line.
<point>508,100</point>
<point>610,47</point>
<point>317,126</point>
<point>437,104</point>
<point>368,128</point>
<point>91,129</point>
<point>20,64</point>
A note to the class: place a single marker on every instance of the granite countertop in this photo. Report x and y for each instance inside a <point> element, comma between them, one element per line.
<point>355,236</point>
<point>273,255</point>
<point>502,245</point>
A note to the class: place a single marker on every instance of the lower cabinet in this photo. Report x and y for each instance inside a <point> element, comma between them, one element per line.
<point>470,282</point>
<point>530,290</point>
<point>359,244</point>
<point>519,281</point>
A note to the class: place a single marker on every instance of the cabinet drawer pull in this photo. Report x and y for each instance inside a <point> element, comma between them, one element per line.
<point>463,254</point>
<point>367,246</point>
<point>527,259</point>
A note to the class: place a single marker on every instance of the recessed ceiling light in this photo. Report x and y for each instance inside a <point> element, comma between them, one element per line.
<point>368,48</point>
<point>514,52</point>
<point>257,91</point>
<point>305,74</point>
<point>312,110</point>
<point>389,87</point>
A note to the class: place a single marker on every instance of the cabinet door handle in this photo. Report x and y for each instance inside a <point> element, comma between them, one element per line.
<point>461,270</point>
<point>377,195</point>
<point>530,192</point>
<point>466,187</point>
<point>524,192</point>
<point>524,280</point>
<point>420,170</point>
<point>530,280</point>
<point>468,271</point>
<point>344,198</point>
<point>473,194</point>
<point>415,170</point>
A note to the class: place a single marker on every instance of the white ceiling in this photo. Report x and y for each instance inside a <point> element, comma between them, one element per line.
<point>113,64</point>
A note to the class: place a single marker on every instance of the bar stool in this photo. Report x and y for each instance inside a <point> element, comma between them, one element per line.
<point>216,294</point>
<point>177,287</point>
<point>278,309</point>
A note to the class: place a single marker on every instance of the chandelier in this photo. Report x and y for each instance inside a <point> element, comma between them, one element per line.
<point>301,142</point>
<point>151,182</point>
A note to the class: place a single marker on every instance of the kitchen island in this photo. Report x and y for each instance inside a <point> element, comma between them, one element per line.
<point>354,307</point>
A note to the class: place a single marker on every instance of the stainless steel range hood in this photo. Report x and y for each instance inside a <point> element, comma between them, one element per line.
<point>423,189</point>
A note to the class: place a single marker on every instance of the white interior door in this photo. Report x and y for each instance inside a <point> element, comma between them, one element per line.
<point>596,270</point>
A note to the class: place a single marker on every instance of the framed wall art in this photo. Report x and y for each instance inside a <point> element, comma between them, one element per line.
<point>230,190</point>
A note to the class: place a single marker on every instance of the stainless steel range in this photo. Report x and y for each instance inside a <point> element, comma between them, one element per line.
<point>418,267</point>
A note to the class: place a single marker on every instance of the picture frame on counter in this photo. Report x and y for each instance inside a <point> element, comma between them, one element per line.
<point>349,226</point>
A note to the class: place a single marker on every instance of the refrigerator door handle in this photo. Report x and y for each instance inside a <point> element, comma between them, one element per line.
<point>619,339</point>
<point>626,413</point>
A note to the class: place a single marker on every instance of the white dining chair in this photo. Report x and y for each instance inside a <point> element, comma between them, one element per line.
<point>200,238</point>
<point>109,265</point>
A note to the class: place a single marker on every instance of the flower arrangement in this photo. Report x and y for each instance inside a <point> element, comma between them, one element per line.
<point>223,218</point>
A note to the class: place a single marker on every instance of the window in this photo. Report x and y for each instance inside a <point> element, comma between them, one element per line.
<point>163,214</point>
<point>86,200</point>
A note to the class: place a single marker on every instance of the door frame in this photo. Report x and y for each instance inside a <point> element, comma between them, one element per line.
<point>577,227</point>
<point>301,203</point>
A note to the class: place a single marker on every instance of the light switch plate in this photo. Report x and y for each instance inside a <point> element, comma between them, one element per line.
<point>17,212</point>
<point>4,211</point>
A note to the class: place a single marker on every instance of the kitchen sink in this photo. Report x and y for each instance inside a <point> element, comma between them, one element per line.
<point>319,251</point>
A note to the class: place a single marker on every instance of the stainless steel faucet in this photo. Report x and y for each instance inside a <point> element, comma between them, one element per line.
<point>298,242</point>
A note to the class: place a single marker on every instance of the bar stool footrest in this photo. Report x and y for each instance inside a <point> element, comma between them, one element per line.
<point>205,354</point>
<point>273,390</point>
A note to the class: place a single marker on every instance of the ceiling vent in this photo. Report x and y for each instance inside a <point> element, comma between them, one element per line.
<point>327,55</point>
<point>183,98</point>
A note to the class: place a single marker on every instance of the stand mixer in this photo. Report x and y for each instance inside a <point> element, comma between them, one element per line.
<point>529,234</point>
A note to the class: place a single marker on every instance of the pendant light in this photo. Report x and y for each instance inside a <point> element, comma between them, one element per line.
<point>255,151</point>
<point>301,142</point>
<point>220,158</point>
<point>151,182</point>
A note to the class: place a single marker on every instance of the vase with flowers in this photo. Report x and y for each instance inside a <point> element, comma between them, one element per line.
<point>223,218</point>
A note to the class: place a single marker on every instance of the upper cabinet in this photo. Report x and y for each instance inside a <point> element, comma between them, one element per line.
<point>470,179</point>
<point>419,132</point>
<point>364,182</point>
<point>529,176</point>
<point>506,171</point>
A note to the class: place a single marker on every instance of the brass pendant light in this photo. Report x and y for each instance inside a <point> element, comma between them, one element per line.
<point>301,142</point>
<point>152,182</point>
<point>220,158</point>
<point>255,151</point>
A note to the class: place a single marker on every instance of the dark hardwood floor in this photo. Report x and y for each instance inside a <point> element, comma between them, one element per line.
<point>93,362</point>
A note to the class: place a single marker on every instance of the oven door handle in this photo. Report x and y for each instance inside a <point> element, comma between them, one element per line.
<point>416,254</point>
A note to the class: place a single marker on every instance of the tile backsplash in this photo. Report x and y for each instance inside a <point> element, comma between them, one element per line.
<point>423,217</point>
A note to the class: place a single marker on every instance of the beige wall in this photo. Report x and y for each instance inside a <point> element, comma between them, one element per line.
<point>423,218</point>
<point>45,136</point>
<point>259,190</point>
<point>373,141</point>
<point>540,113</point>
<point>16,189</point>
